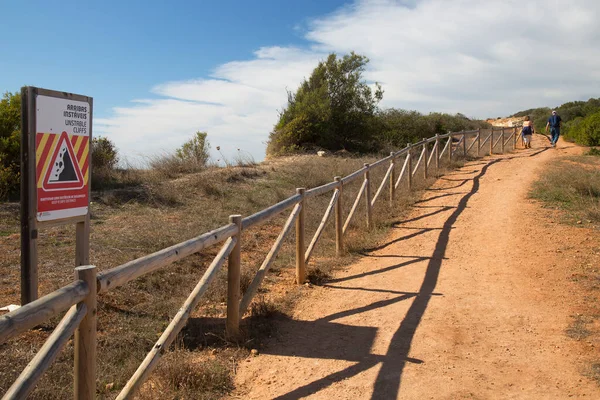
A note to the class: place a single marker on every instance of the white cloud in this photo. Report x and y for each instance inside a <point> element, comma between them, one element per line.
<point>481,58</point>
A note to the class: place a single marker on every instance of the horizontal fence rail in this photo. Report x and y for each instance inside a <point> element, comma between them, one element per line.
<point>122,274</point>
<point>41,310</point>
<point>78,298</point>
<point>25,384</point>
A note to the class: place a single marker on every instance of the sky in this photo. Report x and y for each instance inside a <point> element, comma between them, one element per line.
<point>159,71</point>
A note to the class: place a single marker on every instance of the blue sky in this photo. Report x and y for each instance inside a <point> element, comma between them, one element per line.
<point>159,71</point>
<point>115,51</point>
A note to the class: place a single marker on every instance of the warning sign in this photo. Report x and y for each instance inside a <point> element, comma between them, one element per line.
<point>62,157</point>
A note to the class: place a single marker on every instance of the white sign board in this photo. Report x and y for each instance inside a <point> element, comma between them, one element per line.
<point>62,152</point>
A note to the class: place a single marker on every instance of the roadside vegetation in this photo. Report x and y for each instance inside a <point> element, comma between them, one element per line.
<point>572,186</point>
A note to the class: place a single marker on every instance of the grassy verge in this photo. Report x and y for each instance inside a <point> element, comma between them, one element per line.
<point>572,184</point>
<point>150,214</point>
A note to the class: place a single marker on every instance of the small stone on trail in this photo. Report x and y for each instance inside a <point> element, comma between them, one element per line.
<point>254,352</point>
<point>579,222</point>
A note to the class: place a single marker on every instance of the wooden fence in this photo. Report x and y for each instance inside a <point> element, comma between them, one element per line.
<point>78,299</point>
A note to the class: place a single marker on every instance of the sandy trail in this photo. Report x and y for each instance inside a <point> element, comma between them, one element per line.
<point>462,302</point>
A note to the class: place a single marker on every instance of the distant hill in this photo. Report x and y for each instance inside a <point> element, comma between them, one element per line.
<point>509,121</point>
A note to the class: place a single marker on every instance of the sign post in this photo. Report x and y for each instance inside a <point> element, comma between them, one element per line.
<point>55,174</point>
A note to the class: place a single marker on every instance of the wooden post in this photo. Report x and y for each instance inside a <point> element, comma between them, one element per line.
<point>514,138</point>
<point>82,242</point>
<point>409,166</point>
<point>29,231</point>
<point>339,221</point>
<point>492,141</point>
<point>300,264</point>
<point>502,141</point>
<point>425,158</point>
<point>368,197</point>
<point>437,154</point>
<point>464,145</point>
<point>392,180</point>
<point>233,282</point>
<point>478,141</point>
<point>85,339</point>
<point>451,139</point>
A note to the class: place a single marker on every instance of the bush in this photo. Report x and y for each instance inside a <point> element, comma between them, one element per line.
<point>104,162</point>
<point>196,150</point>
<point>586,131</point>
<point>396,128</point>
<point>192,156</point>
<point>104,153</point>
<point>10,145</point>
<point>594,152</point>
<point>9,182</point>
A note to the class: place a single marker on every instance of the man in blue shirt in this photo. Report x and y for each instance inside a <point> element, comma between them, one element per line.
<point>554,123</point>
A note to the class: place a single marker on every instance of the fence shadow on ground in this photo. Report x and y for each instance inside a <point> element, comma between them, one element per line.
<point>320,338</point>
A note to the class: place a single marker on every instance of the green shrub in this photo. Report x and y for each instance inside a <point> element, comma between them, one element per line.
<point>396,128</point>
<point>192,156</point>
<point>10,145</point>
<point>594,152</point>
<point>104,162</point>
<point>104,153</point>
<point>586,131</point>
<point>196,150</point>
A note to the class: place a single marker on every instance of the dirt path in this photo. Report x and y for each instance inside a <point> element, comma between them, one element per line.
<point>468,299</point>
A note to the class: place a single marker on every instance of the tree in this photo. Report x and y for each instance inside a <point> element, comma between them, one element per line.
<point>334,109</point>
<point>10,144</point>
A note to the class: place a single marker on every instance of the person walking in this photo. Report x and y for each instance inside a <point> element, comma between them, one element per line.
<point>527,132</point>
<point>554,123</point>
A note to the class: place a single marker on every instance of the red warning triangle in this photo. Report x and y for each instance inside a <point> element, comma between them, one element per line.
<point>63,172</point>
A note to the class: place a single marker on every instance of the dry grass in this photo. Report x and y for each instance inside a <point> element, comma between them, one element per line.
<point>573,185</point>
<point>183,374</point>
<point>131,222</point>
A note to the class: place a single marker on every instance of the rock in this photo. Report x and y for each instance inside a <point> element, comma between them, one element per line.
<point>254,352</point>
<point>10,308</point>
<point>579,222</point>
<point>321,153</point>
<point>109,386</point>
